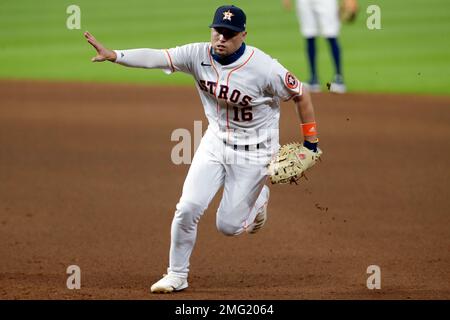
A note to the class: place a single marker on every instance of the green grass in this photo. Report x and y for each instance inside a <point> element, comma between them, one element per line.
<point>410,54</point>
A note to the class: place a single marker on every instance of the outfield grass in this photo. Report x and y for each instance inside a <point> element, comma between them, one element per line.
<point>411,53</point>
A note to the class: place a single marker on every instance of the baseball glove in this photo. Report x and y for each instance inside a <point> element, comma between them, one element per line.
<point>348,10</point>
<point>291,162</point>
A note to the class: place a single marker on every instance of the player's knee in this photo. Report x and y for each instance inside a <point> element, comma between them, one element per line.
<point>228,228</point>
<point>187,214</point>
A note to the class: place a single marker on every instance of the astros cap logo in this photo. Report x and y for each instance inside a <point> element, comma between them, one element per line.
<point>227,15</point>
<point>291,81</point>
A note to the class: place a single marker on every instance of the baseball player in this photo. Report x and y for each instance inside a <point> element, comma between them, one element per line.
<point>320,18</point>
<point>240,88</point>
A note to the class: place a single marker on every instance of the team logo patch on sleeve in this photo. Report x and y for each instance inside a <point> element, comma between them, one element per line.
<point>291,81</point>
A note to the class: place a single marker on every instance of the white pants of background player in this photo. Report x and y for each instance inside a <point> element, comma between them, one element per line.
<point>245,193</point>
<point>318,17</point>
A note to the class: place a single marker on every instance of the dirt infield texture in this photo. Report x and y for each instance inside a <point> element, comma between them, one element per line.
<point>86,178</point>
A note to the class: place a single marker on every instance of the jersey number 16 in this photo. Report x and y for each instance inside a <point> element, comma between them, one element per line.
<point>246,114</point>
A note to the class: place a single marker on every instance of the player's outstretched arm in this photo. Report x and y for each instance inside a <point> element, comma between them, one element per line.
<point>136,58</point>
<point>103,53</point>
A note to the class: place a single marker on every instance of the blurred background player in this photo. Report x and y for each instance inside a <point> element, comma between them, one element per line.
<point>321,18</point>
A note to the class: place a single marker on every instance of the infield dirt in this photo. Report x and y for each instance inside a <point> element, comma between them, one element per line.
<point>86,179</point>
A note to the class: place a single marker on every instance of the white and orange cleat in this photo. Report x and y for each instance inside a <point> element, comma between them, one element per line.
<point>169,283</point>
<point>261,216</point>
<point>338,86</point>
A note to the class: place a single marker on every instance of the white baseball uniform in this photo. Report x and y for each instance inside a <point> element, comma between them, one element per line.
<point>318,17</point>
<point>242,103</point>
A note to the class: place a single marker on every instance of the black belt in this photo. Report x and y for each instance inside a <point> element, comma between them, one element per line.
<point>245,147</point>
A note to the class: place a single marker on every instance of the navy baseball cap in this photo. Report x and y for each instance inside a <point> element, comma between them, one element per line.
<point>229,17</point>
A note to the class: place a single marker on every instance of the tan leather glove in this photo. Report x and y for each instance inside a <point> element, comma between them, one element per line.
<point>291,162</point>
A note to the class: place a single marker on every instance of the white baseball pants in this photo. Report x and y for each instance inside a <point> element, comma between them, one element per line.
<point>242,174</point>
<point>318,17</point>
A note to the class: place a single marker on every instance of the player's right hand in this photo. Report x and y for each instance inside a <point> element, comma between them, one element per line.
<point>103,53</point>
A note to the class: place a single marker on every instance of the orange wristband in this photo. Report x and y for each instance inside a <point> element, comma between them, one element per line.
<point>309,129</point>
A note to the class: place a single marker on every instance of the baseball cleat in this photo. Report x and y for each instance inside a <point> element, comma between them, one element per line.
<point>338,88</point>
<point>169,283</point>
<point>260,220</point>
<point>261,216</point>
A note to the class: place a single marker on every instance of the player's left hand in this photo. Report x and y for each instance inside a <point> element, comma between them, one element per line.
<point>291,162</point>
<point>103,53</point>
